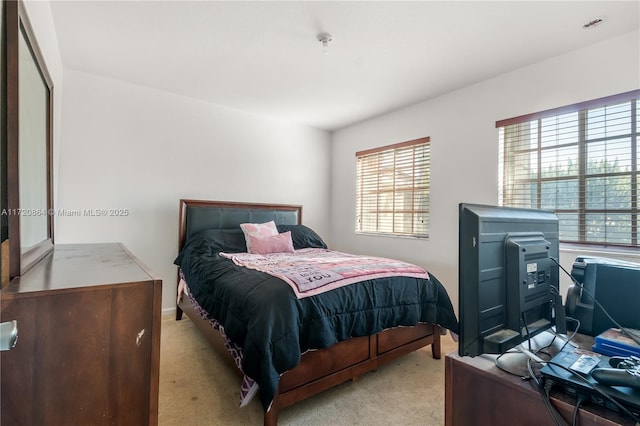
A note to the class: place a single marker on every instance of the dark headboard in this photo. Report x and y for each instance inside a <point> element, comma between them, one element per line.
<point>198,215</point>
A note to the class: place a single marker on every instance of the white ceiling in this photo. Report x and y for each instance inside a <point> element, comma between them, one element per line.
<point>263,57</point>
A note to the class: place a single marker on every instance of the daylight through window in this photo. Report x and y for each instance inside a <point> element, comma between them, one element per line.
<point>392,193</point>
<point>581,162</point>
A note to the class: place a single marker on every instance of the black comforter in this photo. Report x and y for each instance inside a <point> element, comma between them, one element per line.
<point>261,314</point>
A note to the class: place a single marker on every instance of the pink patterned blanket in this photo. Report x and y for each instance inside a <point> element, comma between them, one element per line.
<point>313,271</point>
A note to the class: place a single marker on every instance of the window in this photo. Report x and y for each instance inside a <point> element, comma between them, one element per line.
<point>392,195</point>
<point>580,161</point>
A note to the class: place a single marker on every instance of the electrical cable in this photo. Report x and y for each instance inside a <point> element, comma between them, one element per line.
<point>590,385</point>
<point>574,333</point>
<point>567,340</point>
<point>526,327</point>
<point>574,419</point>
<point>506,370</point>
<point>544,390</point>
<point>631,334</point>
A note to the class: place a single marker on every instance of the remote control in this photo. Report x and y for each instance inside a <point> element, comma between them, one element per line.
<point>618,376</point>
<point>624,361</point>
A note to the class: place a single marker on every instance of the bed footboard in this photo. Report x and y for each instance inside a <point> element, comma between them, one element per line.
<point>323,369</point>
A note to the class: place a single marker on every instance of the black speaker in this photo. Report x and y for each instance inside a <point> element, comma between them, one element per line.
<point>615,285</point>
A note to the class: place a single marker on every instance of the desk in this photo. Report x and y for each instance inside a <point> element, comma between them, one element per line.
<point>479,393</point>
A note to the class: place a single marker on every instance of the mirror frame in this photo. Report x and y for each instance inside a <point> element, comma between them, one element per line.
<point>17,23</point>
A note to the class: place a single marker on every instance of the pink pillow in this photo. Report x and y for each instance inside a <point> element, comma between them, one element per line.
<point>281,243</point>
<point>266,229</point>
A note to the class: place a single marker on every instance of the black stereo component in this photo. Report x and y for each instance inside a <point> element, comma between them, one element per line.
<point>616,286</point>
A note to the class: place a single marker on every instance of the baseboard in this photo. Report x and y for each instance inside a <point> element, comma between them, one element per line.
<point>169,311</point>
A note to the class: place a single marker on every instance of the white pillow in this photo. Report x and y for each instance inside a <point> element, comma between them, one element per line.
<point>263,230</point>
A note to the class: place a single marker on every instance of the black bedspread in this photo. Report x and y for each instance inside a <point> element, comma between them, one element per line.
<point>261,314</point>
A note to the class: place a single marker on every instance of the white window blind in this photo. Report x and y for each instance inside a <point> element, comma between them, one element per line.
<point>392,195</point>
<point>581,161</point>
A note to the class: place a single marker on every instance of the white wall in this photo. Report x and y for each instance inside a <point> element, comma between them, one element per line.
<point>130,147</point>
<point>464,145</point>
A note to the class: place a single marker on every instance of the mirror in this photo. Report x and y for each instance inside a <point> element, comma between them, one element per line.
<point>33,95</point>
<point>28,171</point>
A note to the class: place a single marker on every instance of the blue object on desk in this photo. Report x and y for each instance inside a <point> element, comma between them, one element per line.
<point>613,343</point>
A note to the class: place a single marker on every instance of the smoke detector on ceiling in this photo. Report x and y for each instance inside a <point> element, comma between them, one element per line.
<point>325,39</point>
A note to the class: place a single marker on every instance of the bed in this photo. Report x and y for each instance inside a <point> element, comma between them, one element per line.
<point>298,358</point>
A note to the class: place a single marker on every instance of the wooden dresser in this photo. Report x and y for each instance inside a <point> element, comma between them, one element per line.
<point>88,349</point>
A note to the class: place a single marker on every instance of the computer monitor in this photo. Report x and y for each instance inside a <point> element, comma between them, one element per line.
<point>508,282</point>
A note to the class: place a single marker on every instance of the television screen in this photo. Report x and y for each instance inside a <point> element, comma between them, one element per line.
<point>508,281</point>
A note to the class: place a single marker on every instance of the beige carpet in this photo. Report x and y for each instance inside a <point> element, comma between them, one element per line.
<point>197,388</point>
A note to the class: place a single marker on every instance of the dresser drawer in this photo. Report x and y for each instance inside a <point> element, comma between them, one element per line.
<point>395,337</point>
<point>317,364</point>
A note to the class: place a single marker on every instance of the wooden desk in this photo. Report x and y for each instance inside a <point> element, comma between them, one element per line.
<point>479,393</point>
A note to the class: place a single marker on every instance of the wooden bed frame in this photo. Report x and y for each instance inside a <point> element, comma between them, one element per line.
<point>321,369</point>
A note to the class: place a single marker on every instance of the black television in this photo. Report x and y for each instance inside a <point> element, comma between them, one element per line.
<point>508,282</point>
